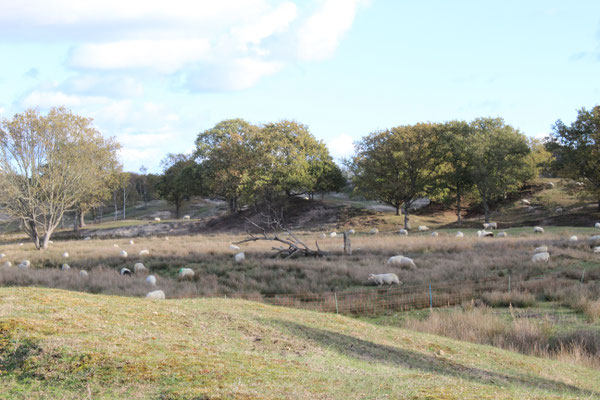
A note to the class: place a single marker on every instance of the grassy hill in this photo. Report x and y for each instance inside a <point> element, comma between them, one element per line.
<point>68,345</point>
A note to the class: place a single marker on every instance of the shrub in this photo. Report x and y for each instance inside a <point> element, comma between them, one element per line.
<point>504,299</point>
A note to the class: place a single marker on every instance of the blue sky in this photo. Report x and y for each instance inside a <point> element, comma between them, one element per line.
<point>155,73</point>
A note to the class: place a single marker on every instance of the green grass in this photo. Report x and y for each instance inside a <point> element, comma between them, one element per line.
<point>59,344</point>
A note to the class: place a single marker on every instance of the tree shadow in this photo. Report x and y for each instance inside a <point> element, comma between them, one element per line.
<point>376,353</point>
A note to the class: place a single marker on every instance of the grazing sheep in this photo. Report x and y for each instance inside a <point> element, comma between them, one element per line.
<point>460,234</point>
<point>322,236</point>
<point>403,232</point>
<point>65,267</point>
<point>2,256</point>
<point>87,238</point>
<point>151,279</point>
<point>239,257</point>
<point>24,264</point>
<point>595,240</point>
<point>597,225</point>
<point>538,229</point>
<point>20,244</point>
<point>7,264</point>
<point>131,242</point>
<point>401,261</point>
<point>374,231</point>
<point>422,228</point>
<point>156,295</point>
<point>144,252</point>
<point>333,234</point>
<point>490,225</point>
<point>351,231</point>
<point>233,247</point>
<point>125,271</point>
<point>579,184</point>
<point>551,185</point>
<point>502,234</point>
<point>167,238</point>
<point>541,257</point>
<point>542,249</point>
<point>384,279</point>
<point>156,219</point>
<point>83,273</point>
<point>186,217</point>
<point>558,210</point>
<point>185,273</point>
<point>65,255</point>
<point>573,238</point>
<point>526,202</point>
<point>50,242</point>
<point>434,234</point>
<point>597,249</point>
<point>123,254</point>
<point>485,234</point>
<point>139,267</point>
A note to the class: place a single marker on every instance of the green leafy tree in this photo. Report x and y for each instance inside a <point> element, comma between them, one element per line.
<point>180,181</point>
<point>327,177</point>
<point>577,150</point>
<point>398,166</point>
<point>540,159</point>
<point>499,155</point>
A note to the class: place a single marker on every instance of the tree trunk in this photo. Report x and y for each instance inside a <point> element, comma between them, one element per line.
<point>486,208</point>
<point>406,225</point>
<point>115,201</point>
<point>46,239</point>
<point>101,213</point>
<point>76,221</point>
<point>458,205</point>
<point>347,245</point>
<point>34,235</point>
<point>599,205</point>
<point>397,210</point>
<point>81,218</point>
<point>177,207</point>
<point>124,203</point>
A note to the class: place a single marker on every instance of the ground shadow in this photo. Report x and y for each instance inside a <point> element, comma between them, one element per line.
<point>377,353</point>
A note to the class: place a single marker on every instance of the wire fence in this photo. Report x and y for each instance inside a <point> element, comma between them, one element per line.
<point>377,300</point>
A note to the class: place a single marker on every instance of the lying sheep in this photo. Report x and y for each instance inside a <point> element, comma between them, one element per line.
<point>502,234</point>
<point>541,249</point>
<point>558,210</point>
<point>374,231</point>
<point>83,273</point>
<point>351,232</point>
<point>485,234</point>
<point>65,255</point>
<point>422,228</point>
<point>125,271</point>
<point>538,229</point>
<point>156,295</point>
<point>403,232</point>
<point>151,279</point>
<point>144,252</point>
<point>401,261</point>
<point>65,267</point>
<point>322,236</point>
<point>595,240</point>
<point>597,225</point>
<point>87,238</point>
<point>551,185</point>
<point>384,279</point>
<point>131,242</point>
<point>156,219</point>
<point>541,257</point>
<point>333,234</point>
<point>460,234</point>
<point>6,264</point>
<point>597,249</point>
<point>123,254</point>
<point>186,217</point>
<point>233,247</point>
<point>24,264</point>
<point>434,234</point>
<point>2,256</point>
<point>185,273</point>
<point>239,257</point>
<point>139,268</point>
<point>573,238</point>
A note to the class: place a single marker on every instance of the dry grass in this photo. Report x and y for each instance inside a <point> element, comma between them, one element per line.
<point>505,299</point>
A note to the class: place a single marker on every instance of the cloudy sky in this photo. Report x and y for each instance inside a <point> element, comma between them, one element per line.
<point>155,73</point>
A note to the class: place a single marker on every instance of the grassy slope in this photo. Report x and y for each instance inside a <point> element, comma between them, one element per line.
<point>59,344</point>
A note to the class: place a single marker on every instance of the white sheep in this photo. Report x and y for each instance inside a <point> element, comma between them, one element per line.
<point>156,295</point>
<point>384,279</point>
<point>116,245</point>
<point>526,202</point>
<point>186,217</point>
<point>87,238</point>
<point>144,252</point>
<point>65,267</point>
<point>403,232</point>
<point>595,240</point>
<point>7,264</point>
<point>558,210</point>
<point>123,254</point>
<point>156,219</point>
<point>541,257</point>
<point>322,236</point>
<point>573,238</point>
<point>538,229</point>
<point>434,234</point>
<point>233,247</point>
<point>401,261</point>
<point>151,279</point>
<point>239,257</point>
<point>597,225</point>
<point>351,232</point>
<point>125,271</point>
<point>333,234</point>
<point>2,256</point>
<point>131,242</point>
<point>83,273</point>
<point>422,228</point>
<point>541,249</point>
<point>597,249</point>
<point>25,264</point>
<point>502,234</point>
<point>490,225</point>
<point>460,234</point>
<point>65,255</point>
<point>167,238</point>
<point>579,184</point>
<point>139,268</point>
<point>485,234</point>
<point>374,231</point>
<point>551,185</point>
<point>185,273</point>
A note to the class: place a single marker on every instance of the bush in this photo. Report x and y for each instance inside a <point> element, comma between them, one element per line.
<point>504,299</point>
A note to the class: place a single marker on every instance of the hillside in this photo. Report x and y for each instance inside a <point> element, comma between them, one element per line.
<point>68,345</point>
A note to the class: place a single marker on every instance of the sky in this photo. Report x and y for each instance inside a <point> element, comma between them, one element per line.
<point>154,74</point>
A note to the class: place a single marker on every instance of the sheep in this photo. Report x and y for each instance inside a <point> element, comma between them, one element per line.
<point>401,261</point>
<point>351,232</point>
<point>65,267</point>
<point>186,217</point>
<point>83,273</point>
<point>167,238</point>
<point>125,271</point>
<point>2,256</point>
<point>123,254</point>
<point>185,273</point>
<point>541,257</point>
<point>551,185</point>
<point>6,264</point>
<point>156,295</point>
<point>597,225</point>
<point>384,279</point>
<point>333,234</point>
<point>538,229</point>
<point>485,234</point>
<point>403,232</point>
<point>597,249</point>
<point>374,231</point>
<point>502,234</point>
<point>116,245</point>
<point>526,202</point>
<point>422,228</point>
<point>24,264</point>
<point>322,236</point>
<point>139,268</point>
<point>579,184</point>
<point>87,238</point>
<point>156,219</point>
<point>233,247</point>
<point>490,225</point>
<point>573,238</point>
<point>434,234</point>
<point>460,234</point>
<point>595,240</point>
<point>239,257</point>
<point>558,210</point>
<point>541,249</point>
<point>151,279</point>
<point>131,242</point>
<point>144,252</point>
<point>20,244</point>
<point>65,255</point>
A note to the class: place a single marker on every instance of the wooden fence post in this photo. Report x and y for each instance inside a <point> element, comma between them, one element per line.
<point>347,245</point>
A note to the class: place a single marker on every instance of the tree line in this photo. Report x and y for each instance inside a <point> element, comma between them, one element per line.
<point>57,164</point>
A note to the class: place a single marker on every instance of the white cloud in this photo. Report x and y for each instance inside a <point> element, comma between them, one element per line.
<point>340,146</point>
<point>2,110</point>
<point>237,74</point>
